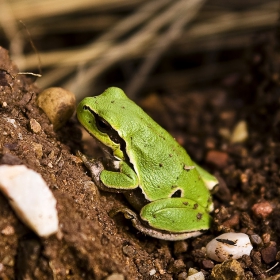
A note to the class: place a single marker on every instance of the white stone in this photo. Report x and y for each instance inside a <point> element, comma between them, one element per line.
<point>30,197</point>
<point>229,246</point>
<point>12,121</point>
<point>197,276</point>
<point>240,132</point>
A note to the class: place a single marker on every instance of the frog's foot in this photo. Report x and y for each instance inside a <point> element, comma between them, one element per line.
<point>124,179</point>
<point>94,166</point>
<point>165,235</point>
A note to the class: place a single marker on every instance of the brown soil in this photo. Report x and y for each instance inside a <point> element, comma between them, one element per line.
<point>92,245</point>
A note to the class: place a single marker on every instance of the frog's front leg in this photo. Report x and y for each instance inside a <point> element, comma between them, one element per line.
<point>124,178</point>
<point>136,222</point>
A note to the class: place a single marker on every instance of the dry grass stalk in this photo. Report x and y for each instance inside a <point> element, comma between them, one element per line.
<point>148,25</point>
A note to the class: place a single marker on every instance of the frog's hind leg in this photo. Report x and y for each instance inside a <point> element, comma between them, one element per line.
<point>164,235</point>
<point>176,215</point>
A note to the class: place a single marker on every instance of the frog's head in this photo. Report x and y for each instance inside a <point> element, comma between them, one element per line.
<point>105,117</point>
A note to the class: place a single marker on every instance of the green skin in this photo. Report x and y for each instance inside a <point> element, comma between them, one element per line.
<point>158,177</point>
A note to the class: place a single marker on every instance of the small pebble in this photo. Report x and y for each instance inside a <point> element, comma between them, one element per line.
<point>178,265</point>
<point>58,104</point>
<point>10,159</point>
<point>182,276</point>
<point>76,160</point>
<point>240,132</point>
<point>197,276</point>
<point>256,239</point>
<point>8,260</point>
<point>225,133</point>
<point>180,247</point>
<point>229,246</point>
<point>217,158</point>
<point>207,264</point>
<point>30,197</point>
<point>192,271</point>
<point>12,121</point>
<point>266,238</point>
<point>115,276</point>
<point>38,149</point>
<point>262,209</point>
<point>228,270</point>
<point>129,250</point>
<point>152,272</point>
<point>232,221</point>
<point>269,254</point>
<point>34,126</point>
<point>8,230</point>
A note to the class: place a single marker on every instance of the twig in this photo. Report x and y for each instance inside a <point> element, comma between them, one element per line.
<point>101,45</point>
<point>24,10</point>
<point>162,44</point>
<point>124,49</point>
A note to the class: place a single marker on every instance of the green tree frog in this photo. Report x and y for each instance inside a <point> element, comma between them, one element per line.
<point>170,193</point>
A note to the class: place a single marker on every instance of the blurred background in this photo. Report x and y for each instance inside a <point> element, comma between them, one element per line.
<point>140,46</point>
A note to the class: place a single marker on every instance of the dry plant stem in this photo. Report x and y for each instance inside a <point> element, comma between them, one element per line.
<point>262,16</point>
<point>202,74</point>
<point>94,49</point>
<point>51,8</point>
<point>163,43</point>
<point>119,51</point>
<point>218,26</point>
<point>7,20</point>
<point>222,25</point>
<point>139,40</point>
<point>102,44</point>
<point>266,15</point>
<point>9,24</point>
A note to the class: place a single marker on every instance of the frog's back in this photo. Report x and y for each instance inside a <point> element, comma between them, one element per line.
<point>161,164</point>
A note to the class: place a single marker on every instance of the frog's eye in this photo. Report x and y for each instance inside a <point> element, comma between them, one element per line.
<point>102,125</point>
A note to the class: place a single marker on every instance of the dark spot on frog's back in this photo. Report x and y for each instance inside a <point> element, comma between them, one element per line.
<point>195,206</point>
<point>199,216</point>
<point>160,165</point>
<point>113,101</point>
<point>178,193</point>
